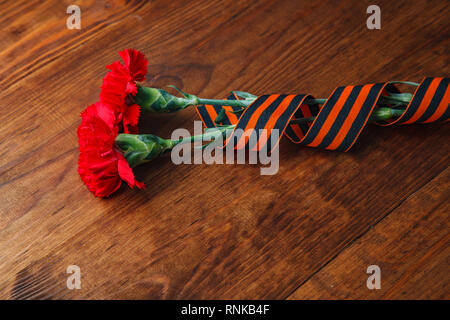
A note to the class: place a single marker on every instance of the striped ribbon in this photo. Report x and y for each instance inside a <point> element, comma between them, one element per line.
<point>337,124</point>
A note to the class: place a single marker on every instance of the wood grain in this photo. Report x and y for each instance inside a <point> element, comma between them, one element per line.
<point>220,231</point>
<point>410,246</point>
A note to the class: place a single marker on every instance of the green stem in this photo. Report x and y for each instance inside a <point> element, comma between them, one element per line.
<point>142,148</point>
<point>403,98</point>
<point>246,103</point>
<point>379,114</point>
<point>205,136</point>
<point>409,83</point>
<point>382,113</point>
<point>158,100</point>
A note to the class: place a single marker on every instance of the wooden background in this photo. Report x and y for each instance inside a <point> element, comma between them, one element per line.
<point>222,231</point>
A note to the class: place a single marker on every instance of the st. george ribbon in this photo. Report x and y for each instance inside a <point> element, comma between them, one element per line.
<point>337,123</point>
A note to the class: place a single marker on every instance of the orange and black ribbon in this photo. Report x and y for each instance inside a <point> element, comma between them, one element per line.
<point>209,113</point>
<point>337,124</point>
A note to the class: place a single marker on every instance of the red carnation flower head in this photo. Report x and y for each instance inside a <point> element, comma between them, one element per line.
<point>100,165</point>
<point>121,82</point>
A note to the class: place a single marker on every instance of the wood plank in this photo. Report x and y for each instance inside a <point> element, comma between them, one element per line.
<point>411,247</point>
<point>199,231</point>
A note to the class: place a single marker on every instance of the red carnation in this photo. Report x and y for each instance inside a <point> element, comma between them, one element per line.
<point>121,82</point>
<point>101,167</point>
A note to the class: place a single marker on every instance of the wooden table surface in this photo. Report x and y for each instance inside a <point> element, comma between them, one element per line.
<point>222,231</point>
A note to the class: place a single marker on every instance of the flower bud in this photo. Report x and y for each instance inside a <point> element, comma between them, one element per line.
<point>158,100</point>
<point>142,148</point>
<point>381,114</point>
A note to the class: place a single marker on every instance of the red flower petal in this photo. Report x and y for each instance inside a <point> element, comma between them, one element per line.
<point>126,174</point>
<point>140,185</point>
<point>131,88</point>
<point>135,62</point>
<point>113,90</point>
<point>93,132</point>
<point>100,174</point>
<point>106,114</point>
<point>131,117</point>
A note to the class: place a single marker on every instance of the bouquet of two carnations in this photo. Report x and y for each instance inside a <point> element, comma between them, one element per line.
<point>110,145</point>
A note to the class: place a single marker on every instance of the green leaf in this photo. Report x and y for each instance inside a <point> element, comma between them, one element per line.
<point>184,94</point>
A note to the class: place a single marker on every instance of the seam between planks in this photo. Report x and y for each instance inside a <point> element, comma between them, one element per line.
<point>362,234</point>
